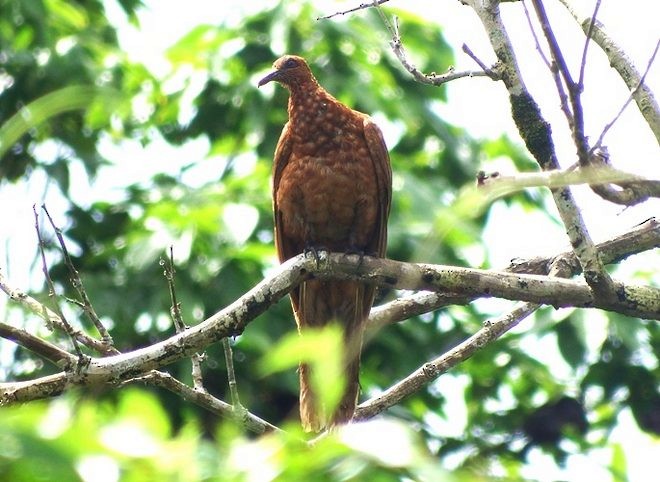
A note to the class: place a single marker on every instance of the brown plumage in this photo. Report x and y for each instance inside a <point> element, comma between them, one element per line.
<point>332,187</point>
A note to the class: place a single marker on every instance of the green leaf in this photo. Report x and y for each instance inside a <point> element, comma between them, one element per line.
<point>570,342</point>
<point>196,46</point>
<point>68,13</point>
<point>322,350</point>
<point>75,97</point>
<point>618,465</point>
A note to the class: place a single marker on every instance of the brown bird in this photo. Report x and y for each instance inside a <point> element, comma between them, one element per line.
<point>332,188</point>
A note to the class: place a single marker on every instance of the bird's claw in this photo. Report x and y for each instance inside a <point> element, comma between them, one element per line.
<point>316,253</point>
<point>361,253</point>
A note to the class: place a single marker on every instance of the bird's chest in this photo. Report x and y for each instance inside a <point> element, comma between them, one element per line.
<point>327,193</point>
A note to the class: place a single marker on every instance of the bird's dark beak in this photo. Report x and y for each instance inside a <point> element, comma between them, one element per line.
<point>274,75</point>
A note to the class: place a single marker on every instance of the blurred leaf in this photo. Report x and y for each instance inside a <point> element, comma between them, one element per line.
<point>69,14</point>
<point>191,47</point>
<point>322,349</point>
<point>619,464</point>
<point>74,97</point>
<point>571,342</point>
<point>202,183</point>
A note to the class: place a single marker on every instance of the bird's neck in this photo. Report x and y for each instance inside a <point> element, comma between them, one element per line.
<point>307,102</point>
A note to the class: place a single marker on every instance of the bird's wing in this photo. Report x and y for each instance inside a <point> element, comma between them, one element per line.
<point>381,166</point>
<point>283,245</point>
<point>285,248</point>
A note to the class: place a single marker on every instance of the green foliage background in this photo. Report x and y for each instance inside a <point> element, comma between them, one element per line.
<point>221,232</point>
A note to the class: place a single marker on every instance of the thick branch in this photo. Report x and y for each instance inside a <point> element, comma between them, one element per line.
<point>641,238</point>
<point>535,131</point>
<point>638,301</point>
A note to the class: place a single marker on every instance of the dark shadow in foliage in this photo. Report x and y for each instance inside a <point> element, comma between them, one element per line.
<point>551,422</point>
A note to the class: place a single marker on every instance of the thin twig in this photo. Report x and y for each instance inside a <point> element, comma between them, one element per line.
<point>238,409</point>
<point>539,49</point>
<point>619,60</point>
<point>362,6</point>
<point>490,72</point>
<point>180,326</point>
<point>208,402</point>
<point>77,283</point>
<point>175,308</point>
<point>52,319</point>
<point>63,359</point>
<point>608,126</point>
<point>231,377</point>
<point>587,40</point>
<point>51,287</point>
<point>552,67</point>
<point>574,89</point>
<point>433,78</point>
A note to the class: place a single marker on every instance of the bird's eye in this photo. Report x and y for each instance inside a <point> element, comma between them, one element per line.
<point>290,64</point>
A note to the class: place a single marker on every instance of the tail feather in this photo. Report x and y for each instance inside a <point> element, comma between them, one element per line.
<point>316,304</point>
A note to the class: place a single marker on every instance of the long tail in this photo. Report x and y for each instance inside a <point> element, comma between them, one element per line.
<point>316,304</point>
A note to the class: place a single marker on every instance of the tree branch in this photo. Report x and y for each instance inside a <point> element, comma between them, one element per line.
<point>50,352</point>
<point>362,6</point>
<point>397,47</point>
<point>641,93</point>
<point>554,71</point>
<point>52,386</point>
<point>111,370</point>
<point>203,399</point>
<point>77,283</point>
<point>637,301</point>
<point>433,369</point>
<point>68,329</point>
<point>535,132</point>
<point>627,193</point>
<point>643,237</point>
<point>51,318</point>
<point>631,300</point>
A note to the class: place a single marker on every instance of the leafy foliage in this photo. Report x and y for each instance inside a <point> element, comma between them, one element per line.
<point>215,212</point>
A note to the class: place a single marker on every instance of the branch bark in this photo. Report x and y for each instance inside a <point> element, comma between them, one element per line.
<point>431,370</point>
<point>638,301</point>
<point>563,265</point>
<point>643,237</point>
<point>535,132</point>
<point>642,94</point>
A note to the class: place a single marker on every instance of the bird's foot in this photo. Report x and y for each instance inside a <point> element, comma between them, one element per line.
<point>361,253</point>
<point>315,252</point>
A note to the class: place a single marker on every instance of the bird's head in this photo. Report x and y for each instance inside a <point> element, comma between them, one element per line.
<point>290,71</point>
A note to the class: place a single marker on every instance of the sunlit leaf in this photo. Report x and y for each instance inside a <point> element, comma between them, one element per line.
<point>69,13</point>
<point>322,350</point>
<point>75,97</point>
